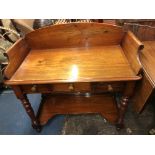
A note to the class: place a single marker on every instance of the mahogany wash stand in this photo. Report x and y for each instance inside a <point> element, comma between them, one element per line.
<point>78,68</point>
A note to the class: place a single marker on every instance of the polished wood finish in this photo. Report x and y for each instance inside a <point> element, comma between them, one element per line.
<point>103,63</point>
<point>78,104</point>
<point>147,59</point>
<point>72,87</point>
<point>145,88</point>
<point>33,88</point>
<point>99,87</point>
<point>16,54</point>
<point>127,93</point>
<point>145,31</point>
<point>75,35</point>
<point>132,46</point>
<point>76,58</point>
<point>143,92</point>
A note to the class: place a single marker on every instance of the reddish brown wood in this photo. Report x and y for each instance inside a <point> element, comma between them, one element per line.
<point>132,46</point>
<point>144,29</point>
<point>71,104</point>
<point>72,87</point>
<point>16,54</point>
<point>143,92</point>
<point>147,59</point>
<point>128,92</point>
<point>33,88</point>
<point>107,87</point>
<point>73,59</point>
<point>25,102</point>
<point>75,35</point>
<point>95,64</point>
<point>145,88</point>
<point>95,87</point>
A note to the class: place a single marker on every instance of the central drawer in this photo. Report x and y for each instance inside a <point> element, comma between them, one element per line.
<point>72,87</point>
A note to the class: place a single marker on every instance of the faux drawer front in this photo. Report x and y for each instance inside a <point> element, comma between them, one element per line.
<point>107,87</point>
<point>46,88</point>
<point>71,87</point>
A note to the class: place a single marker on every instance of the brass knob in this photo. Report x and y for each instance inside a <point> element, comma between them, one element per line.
<point>110,88</point>
<point>71,87</point>
<point>34,88</point>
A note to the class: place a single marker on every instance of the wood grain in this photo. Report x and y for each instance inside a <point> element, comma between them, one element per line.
<point>145,88</point>
<point>94,87</point>
<point>16,54</point>
<point>123,103</point>
<point>75,35</point>
<point>132,46</point>
<point>147,59</point>
<point>73,57</point>
<point>98,87</point>
<point>103,63</point>
<point>145,31</point>
<point>143,91</point>
<point>69,104</point>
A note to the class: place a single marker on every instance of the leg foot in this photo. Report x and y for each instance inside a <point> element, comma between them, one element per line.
<point>119,126</point>
<point>123,104</point>
<point>122,109</point>
<point>37,127</point>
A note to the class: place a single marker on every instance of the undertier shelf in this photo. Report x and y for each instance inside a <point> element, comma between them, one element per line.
<point>73,104</point>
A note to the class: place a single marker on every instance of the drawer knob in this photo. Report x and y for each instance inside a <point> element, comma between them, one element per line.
<point>71,87</point>
<point>110,88</point>
<point>34,88</point>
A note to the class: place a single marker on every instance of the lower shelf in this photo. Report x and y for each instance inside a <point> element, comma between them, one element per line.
<point>71,104</point>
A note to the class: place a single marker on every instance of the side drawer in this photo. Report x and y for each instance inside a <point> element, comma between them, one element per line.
<point>44,88</point>
<point>107,87</point>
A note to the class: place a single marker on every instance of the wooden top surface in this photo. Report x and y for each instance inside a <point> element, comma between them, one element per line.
<point>100,63</point>
<point>147,58</point>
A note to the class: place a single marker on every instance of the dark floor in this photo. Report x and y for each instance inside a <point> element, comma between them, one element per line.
<point>13,120</point>
<point>97,125</point>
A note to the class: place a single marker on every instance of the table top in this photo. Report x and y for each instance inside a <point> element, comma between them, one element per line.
<point>147,58</point>
<point>100,63</point>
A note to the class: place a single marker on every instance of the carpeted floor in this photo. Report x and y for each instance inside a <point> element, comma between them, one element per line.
<point>14,120</point>
<point>96,125</point>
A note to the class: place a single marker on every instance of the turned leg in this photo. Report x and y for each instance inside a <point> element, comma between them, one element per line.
<point>122,109</point>
<point>25,102</point>
<point>28,108</point>
<point>123,104</point>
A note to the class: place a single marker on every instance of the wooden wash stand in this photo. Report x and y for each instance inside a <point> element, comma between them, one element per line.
<point>78,68</point>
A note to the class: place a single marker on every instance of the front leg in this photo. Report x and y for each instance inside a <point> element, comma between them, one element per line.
<point>123,104</point>
<point>122,109</point>
<point>28,108</point>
